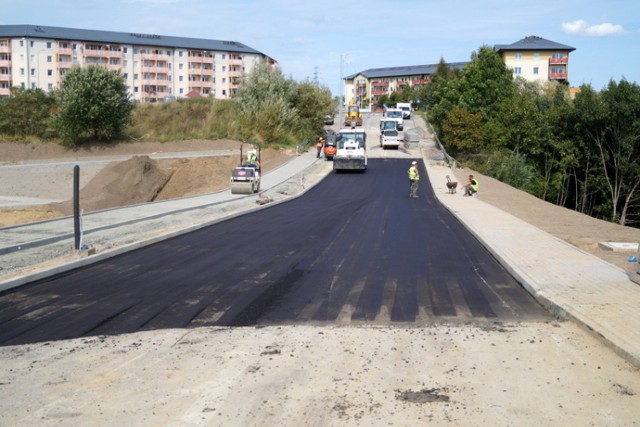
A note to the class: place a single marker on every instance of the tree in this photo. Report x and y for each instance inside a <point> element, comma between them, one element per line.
<point>610,121</point>
<point>26,112</point>
<point>265,100</point>
<point>93,102</point>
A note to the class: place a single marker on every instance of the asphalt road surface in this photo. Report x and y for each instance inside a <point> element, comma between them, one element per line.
<point>355,249</point>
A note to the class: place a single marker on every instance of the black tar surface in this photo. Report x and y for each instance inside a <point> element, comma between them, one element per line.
<point>355,249</point>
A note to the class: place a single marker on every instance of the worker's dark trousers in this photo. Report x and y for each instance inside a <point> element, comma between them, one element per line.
<point>413,187</point>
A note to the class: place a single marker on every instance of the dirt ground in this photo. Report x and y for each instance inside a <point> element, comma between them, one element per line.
<point>139,179</point>
<point>142,179</point>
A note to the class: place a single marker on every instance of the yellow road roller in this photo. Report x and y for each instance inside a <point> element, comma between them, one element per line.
<point>245,178</point>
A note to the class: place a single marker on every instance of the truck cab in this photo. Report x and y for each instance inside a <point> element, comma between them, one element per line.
<point>406,109</point>
<point>396,115</point>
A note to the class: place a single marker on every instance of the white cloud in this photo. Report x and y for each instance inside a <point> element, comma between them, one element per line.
<point>581,27</point>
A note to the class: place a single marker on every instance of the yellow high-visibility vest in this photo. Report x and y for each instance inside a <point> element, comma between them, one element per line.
<point>413,173</point>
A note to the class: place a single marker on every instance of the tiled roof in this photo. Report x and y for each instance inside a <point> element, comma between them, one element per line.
<point>533,43</point>
<point>137,39</point>
<point>411,70</point>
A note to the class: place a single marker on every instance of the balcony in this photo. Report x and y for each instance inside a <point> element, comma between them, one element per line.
<point>5,91</point>
<point>235,61</point>
<point>558,60</point>
<point>64,51</point>
<point>379,84</point>
<point>5,77</point>
<point>420,81</point>
<point>379,92</point>
<point>558,76</point>
<point>5,49</point>
<point>65,64</point>
<point>5,63</point>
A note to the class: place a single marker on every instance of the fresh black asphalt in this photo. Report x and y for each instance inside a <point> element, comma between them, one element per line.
<point>355,249</point>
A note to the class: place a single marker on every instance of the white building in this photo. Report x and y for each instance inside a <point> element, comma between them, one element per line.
<point>153,66</point>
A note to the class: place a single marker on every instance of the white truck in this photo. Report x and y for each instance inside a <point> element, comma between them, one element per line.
<point>395,114</point>
<point>389,135</point>
<point>406,109</point>
<point>351,151</point>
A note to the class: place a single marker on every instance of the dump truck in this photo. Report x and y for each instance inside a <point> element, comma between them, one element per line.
<point>353,117</point>
<point>245,178</point>
<point>352,150</point>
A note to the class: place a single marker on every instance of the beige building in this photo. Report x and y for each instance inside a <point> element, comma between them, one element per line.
<point>364,88</point>
<point>536,59</point>
<point>155,67</point>
<point>532,58</point>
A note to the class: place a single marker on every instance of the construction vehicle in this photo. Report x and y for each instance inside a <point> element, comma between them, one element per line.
<point>352,150</point>
<point>330,146</point>
<point>389,135</point>
<point>245,178</point>
<point>353,117</point>
<point>395,114</point>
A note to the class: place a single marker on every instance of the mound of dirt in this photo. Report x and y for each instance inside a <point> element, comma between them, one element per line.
<point>139,179</point>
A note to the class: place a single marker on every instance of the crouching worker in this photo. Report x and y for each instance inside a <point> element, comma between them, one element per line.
<point>471,186</point>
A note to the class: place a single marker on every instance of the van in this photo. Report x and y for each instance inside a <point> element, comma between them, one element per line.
<point>406,109</point>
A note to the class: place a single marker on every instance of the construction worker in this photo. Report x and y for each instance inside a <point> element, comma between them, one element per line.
<point>471,186</point>
<point>252,160</point>
<point>414,178</point>
<point>319,146</point>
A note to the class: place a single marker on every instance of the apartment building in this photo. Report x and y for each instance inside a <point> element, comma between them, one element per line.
<point>366,87</point>
<point>155,67</point>
<point>537,59</point>
<point>532,58</point>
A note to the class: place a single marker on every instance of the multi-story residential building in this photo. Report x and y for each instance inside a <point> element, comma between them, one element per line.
<point>537,59</point>
<point>366,87</point>
<point>532,58</point>
<point>155,67</point>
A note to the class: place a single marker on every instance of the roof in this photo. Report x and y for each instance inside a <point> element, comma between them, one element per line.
<point>533,43</point>
<point>137,39</point>
<point>411,70</point>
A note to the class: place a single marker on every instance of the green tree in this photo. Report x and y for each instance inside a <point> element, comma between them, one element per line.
<point>485,83</point>
<point>462,130</point>
<point>265,101</point>
<point>610,121</point>
<point>26,113</point>
<point>93,102</point>
<point>312,102</point>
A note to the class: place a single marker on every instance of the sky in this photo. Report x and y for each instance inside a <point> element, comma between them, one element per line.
<point>326,40</point>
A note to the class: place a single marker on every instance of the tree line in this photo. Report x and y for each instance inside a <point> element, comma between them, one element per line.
<point>93,104</point>
<point>581,152</point>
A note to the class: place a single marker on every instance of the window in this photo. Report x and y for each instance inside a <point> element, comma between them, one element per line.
<point>31,43</point>
<point>135,50</point>
<point>49,72</point>
<point>125,49</point>
<point>125,75</point>
<point>180,66</point>
<point>224,56</point>
<point>224,68</point>
<point>49,58</point>
<point>135,89</point>
<point>180,78</point>
<point>22,71</point>
<point>517,71</point>
<point>224,80</point>
<point>48,45</point>
<point>50,86</point>
<point>21,43</point>
<point>518,56</point>
<point>224,92</point>
<point>536,71</point>
<point>135,76</point>
<point>181,91</point>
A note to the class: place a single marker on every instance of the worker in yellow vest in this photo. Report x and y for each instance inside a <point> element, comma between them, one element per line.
<point>414,178</point>
<point>471,186</point>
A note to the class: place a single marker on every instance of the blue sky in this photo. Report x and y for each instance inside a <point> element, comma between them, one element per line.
<point>327,39</point>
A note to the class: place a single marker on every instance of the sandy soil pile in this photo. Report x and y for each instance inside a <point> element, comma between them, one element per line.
<point>139,179</point>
